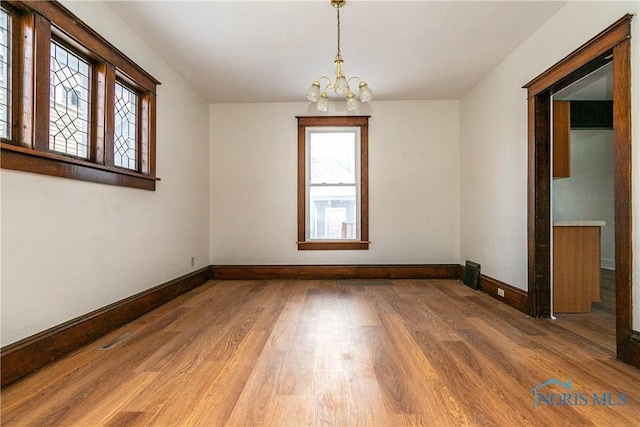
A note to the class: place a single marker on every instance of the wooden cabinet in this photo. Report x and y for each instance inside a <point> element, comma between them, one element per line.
<point>576,266</point>
<point>561,139</point>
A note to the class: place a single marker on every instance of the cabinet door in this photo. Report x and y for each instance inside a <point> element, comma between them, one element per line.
<point>561,139</point>
<point>576,268</point>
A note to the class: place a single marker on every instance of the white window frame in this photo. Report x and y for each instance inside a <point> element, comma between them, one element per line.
<point>309,185</point>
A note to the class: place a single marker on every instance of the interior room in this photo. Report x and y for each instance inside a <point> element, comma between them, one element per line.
<point>170,266</point>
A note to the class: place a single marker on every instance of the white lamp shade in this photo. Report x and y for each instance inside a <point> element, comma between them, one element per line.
<point>365,94</point>
<point>323,103</point>
<point>352,104</point>
<point>341,87</point>
<point>313,94</point>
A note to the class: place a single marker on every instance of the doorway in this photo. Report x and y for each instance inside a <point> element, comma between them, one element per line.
<point>611,45</point>
<point>582,208</point>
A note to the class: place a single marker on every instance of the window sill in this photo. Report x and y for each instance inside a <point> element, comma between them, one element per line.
<point>27,160</point>
<point>333,245</point>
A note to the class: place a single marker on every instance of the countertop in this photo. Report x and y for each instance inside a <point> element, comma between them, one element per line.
<point>579,223</point>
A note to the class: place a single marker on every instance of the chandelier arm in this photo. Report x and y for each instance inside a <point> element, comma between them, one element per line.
<point>329,85</point>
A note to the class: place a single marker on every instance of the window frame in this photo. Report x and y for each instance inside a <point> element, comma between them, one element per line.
<point>305,122</point>
<point>34,25</point>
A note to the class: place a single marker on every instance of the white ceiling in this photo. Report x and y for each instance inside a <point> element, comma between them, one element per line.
<point>271,51</point>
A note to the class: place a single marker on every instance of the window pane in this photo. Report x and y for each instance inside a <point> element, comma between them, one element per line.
<point>5,87</point>
<point>332,212</point>
<point>124,142</point>
<point>69,103</point>
<point>332,157</point>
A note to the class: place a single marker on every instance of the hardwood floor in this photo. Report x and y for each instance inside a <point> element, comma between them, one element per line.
<point>599,326</point>
<point>297,353</point>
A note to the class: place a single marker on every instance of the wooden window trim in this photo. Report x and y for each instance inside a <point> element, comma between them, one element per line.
<point>356,121</point>
<point>34,26</point>
<point>40,162</point>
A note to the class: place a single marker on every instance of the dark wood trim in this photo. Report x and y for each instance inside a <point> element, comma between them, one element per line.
<point>539,230</point>
<point>302,188</point>
<point>323,121</point>
<point>591,50</point>
<point>42,55</point>
<point>335,272</point>
<point>364,181</point>
<point>308,121</point>
<point>627,350</point>
<point>333,246</point>
<point>514,297</point>
<point>109,109</point>
<point>23,71</point>
<point>81,33</point>
<point>612,44</point>
<point>151,141</point>
<point>26,356</point>
<point>39,24</point>
<point>26,160</point>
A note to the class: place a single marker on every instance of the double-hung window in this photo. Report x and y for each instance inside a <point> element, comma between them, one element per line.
<point>71,104</point>
<point>332,183</point>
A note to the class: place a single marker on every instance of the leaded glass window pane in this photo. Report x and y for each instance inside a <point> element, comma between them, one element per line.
<point>5,64</point>
<point>124,139</point>
<point>69,103</point>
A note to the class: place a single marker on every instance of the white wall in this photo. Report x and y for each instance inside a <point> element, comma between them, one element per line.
<point>493,142</point>
<point>588,193</point>
<point>70,247</point>
<point>413,189</point>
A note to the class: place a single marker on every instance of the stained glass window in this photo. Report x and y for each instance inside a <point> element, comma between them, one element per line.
<point>69,102</point>
<point>125,128</point>
<point>5,64</point>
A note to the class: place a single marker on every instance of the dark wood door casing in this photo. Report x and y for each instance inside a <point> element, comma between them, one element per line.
<point>611,45</point>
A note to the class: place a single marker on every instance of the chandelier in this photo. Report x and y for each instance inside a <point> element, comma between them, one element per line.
<point>339,87</point>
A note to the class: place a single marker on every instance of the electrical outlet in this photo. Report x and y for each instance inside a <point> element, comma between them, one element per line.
<point>500,292</point>
<point>193,261</point>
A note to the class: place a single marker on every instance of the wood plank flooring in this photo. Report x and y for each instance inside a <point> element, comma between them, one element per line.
<point>598,326</point>
<point>299,353</point>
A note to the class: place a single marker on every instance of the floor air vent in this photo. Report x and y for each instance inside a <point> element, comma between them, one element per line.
<point>115,342</point>
<point>472,274</point>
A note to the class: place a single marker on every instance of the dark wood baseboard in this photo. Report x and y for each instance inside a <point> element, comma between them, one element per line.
<point>26,356</point>
<point>514,297</point>
<point>335,272</point>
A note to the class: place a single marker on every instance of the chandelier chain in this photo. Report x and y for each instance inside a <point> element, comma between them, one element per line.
<point>338,55</point>
<point>340,86</point>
